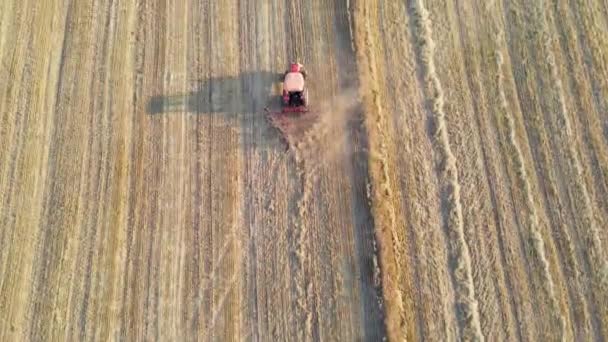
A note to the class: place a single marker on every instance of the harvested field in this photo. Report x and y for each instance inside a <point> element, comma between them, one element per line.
<point>453,187</point>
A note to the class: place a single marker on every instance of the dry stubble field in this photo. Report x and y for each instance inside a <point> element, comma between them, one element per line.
<point>455,186</point>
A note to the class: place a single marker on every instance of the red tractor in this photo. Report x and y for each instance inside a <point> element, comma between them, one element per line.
<point>295,94</point>
<point>294,119</point>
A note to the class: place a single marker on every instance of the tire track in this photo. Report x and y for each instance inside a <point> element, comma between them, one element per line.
<point>543,42</point>
<point>542,148</point>
<point>154,157</point>
<point>467,305</point>
<point>174,130</point>
<point>366,310</point>
<point>9,118</point>
<point>203,59</point>
<point>6,8</point>
<point>511,255</point>
<point>523,179</point>
<point>417,189</point>
<point>581,88</point>
<point>594,48</point>
<point>326,253</point>
<point>486,215</point>
<point>225,184</point>
<point>61,211</point>
<point>130,309</point>
<point>595,61</point>
<point>173,168</point>
<point>308,179</point>
<point>382,198</point>
<point>273,196</point>
<point>195,278</point>
<point>570,266</point>
<point>323,150</point>
<point>247,29</point>
<point>270,188</point>
<point>537,240</point>
<point>120,65</point>
<point>98,186</point>
<point>13,99</point>
<point>591,237</point>
<point>11,62</point>
<point>599,262</point>
<point>20,216</point>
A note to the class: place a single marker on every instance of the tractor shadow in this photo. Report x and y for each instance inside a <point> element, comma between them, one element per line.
<point>244,95</point>
<point>237,102</point>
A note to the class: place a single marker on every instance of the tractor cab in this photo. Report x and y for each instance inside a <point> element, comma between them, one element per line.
<point>294,87</point>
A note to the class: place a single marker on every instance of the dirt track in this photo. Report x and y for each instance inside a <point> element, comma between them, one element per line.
<point>456,186</point>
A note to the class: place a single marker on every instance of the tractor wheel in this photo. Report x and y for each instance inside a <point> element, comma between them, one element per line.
<point>305,98</point>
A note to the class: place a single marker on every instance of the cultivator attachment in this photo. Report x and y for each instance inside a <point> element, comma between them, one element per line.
<point>292,122</point>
